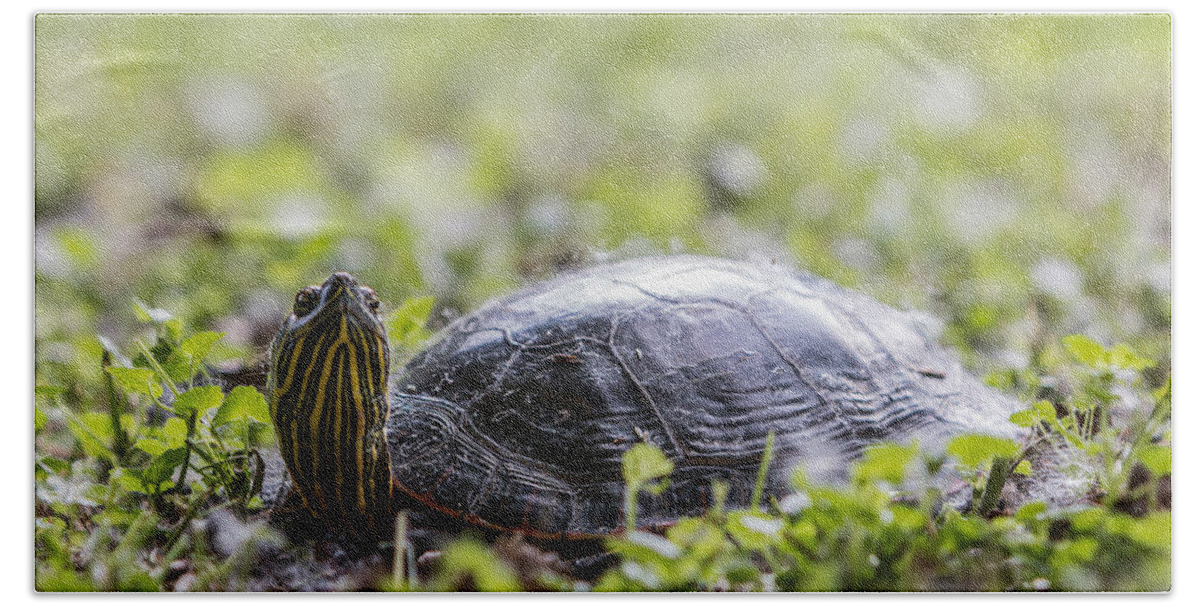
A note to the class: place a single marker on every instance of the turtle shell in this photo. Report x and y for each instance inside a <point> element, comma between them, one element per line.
<point>518,415</point>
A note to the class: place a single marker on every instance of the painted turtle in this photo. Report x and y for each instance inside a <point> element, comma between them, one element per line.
<point>517,416</point>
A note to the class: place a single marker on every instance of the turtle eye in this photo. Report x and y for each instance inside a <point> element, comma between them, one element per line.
<point>306,300</point>
<point>371,299</point>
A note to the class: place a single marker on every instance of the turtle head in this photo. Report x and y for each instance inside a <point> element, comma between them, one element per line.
<point>341,296</point>
<point>328,392</point>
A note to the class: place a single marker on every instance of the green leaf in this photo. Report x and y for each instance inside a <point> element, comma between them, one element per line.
<point>1024,468</point>
<point>799,479</point>
<point>1153,530</point>
<point>1066,429</point>
<point>1157,458</point>
<point>128,480</point>
<point>1045,409</point>
<point>1039,412</point>
<point>1163,393</point>
<point>198,400</point>
<point>1088,518</point>
<point>137,380</point>
<point>163,467</point>
<point>1029,513</point>
<point>644,462</point>
<point>469,559</point>
<point>94,432</point>
<point>178,367</point>
<point>173,328</point>
<point>39,419</point>
<point>48,392</point>
<point>244,403</point>
<point>198,345</point>
<point>1026,418</point>
<point>977,451</point>
<point>1124,357</point>
<point>1086,351</point>
<point>406,329</point>
<point>755,531</point>
<point>174,432</point>
<point>885,462</point>
<point>151,446</point>
<point>57,466</point>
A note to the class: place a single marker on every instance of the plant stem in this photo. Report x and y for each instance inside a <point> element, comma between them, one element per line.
<point>187,518</point>
<point>120,441</point>
<point>631,491</point>
<point>995,483</point>
<point>162,373</point>
<point>187,450</point>
<point>399,560</point>
<point>761,480</point>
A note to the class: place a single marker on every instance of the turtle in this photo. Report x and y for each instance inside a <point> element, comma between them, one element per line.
<point>516,417</point>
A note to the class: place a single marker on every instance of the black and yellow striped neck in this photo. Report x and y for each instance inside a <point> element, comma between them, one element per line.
<point>328,389</point>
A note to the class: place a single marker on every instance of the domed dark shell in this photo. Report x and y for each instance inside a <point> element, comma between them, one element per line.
<point>517,417</point>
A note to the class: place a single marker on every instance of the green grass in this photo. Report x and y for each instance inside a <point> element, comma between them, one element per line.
<point>119,514</point>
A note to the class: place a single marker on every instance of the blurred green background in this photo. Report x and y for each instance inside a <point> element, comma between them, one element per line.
<point>1010,174</point>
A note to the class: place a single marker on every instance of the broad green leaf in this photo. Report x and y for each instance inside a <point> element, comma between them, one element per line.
<point>198,345</point>
<point>1039,412</point>
<point>54,465</point>
<point>198,400</point>
<point>174,432</point>
<point>1026,418</point>
<point>1031,512</point>
<point>702,538</point>
<point>1157,458</point>
<point>1153,530</point>
<point>173,329</point>
<point>178,367</point>
<point>151,446</point>
<point>977,451</point>
<point>406,328</point>
<point>128,480</point>
<point>885,462</point>
<point>644,462</point>
<point>471,560</point>
<point>1085,350</point>
<point>1088,518</point>
<point>242,404</point>
<point>1024,468</point>
<point>48,392</point>
<point>39,419</point>
<point>163,466</point>
<point>1080,550</point>
<point>94,432</point>
<point>1045,408</point>
<point>1124,357</point>
<point>137,380</point>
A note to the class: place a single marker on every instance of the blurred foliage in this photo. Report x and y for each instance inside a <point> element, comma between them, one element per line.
<point>1008,173</point>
